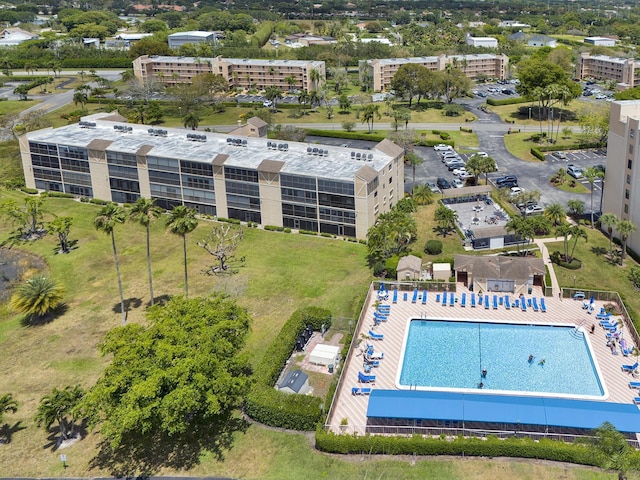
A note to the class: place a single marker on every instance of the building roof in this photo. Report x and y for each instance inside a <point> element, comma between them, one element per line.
<point>509,409</point>
<point>517,36</point>
<point>257,122</point>
<point>232,61</point>
<point>294,380</point>
<point>192,33</point>
<point>541,38</point>
<point>499,267</point>
<point>410,262</point>
<point>597,39</point>
<point>132,36</point>
<point>335,162</point>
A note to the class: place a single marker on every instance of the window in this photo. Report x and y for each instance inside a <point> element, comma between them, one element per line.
<point>166,164</point>
<point>124,185</point>
<point>627,194</point>
<point>333,186</point>
<point>390,180</point>
<point>630,149</point>
<point>629,163</point>
<point>123,172</point>
<point>196,168</point>
<point>626,208</point>
<point>242,188</point>
<point>164,177</point>
<point>631,132</point>
<point>241,174</point>
<point>628,179</point>
<point>118,158</point>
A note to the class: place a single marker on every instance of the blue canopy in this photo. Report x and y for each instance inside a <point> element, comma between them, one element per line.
<point>514,409</point>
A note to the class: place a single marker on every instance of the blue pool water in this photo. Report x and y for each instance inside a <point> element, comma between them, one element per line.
<point>452,354</point>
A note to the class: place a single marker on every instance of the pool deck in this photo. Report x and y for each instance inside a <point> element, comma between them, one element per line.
<point>565,311</point>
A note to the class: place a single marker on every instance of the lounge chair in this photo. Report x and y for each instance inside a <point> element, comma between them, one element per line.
<point>424,297</point>
<point>507,302</point>
<point>578,296</point>
<point>603,316</point>
<point>480,299</point>
<point>636,400</point>
<point>360,391</point>
<point>500,300</point>
<point>405,296</point>
<point>543,305</point>
<point>444,299</point>
<point>623,347</point>
<point>376,356</point>
<point>452,299</point>
<point>516,303</point>
<point>529,304</point>
<point>473,299</point>
<point>414,299</point>
<point>362,378</point>
<point>486,302</point>
<point>395,296</point>
<point>495,302</point>
<point>383,307</point>
<point>382,318</point>
<point>463,300</point>
<point>535,304</point>
<point>629,368</point>
<point>376,336</point>
<point>372,363</point>
<point>523,304</point>
<point>437,298</point>
<point>608,323</point>
<point>634,384</point>
<point>585,306</point>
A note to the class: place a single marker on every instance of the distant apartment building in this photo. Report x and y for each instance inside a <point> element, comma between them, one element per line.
<point>325,189</point>
<point>624,71</point>
<point>622,178</point>
<point>176,40</point>
<point>240,73</point>
<point>601,41</point>
<point>486,42</point>
<point>382,70</point>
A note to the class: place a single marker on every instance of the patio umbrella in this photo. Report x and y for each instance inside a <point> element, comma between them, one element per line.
<point>592,300</point>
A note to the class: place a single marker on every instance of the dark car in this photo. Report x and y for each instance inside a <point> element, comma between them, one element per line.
<point>502,181</point>
<point>443,183</point>
<point>508,185</point>
<point>508,91</point>
<point>453,165</point>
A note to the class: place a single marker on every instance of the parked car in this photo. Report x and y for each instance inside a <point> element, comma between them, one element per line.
<point>502,181</point>
<point>482,94</point>
<point>449,160</point>
<point>459,171</point>
<point>453,165</point>
<point>481,154</point>
<point>508,91</point>
<point>524,205</point>
<point>457,183</point>
<point>515,191</point>
<point>587,93</point>
<point>533,210</point>
<point>601,96</point>
<point>449,153</point>
<point>442,147</point>
<point>574,171</point>
<point>267,103</point>
<point>560,155</point>
<point>433,187</point>
<point>443,183</point>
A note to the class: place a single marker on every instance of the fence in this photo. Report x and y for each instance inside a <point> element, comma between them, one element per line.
<point>431,286</point>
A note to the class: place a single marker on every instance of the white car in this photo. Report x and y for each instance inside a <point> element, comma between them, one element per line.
<point>457,183</point>
<point>459,171</point>
<point>481,154</point>
<point>601,96</point>
<point>514,191</point>
<point>441,147</point>
<point>267,103</point>
<point>533,210</point>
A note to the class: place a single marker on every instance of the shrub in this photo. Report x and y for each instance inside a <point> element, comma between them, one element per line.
<point>535,151</point>
<point>445,136</point>
<point>506,101</point>
<point>234,221</point>
<point>273,228</point>
<point>466,130</point>
<point>57,194</point>
<point>307,232</point>
<point>558,259</point>
<point>433,247</point>
<point>97,201</point>
<point>287,230</point>
<point>348,135</point>
<point>30,191</point>
<point>391,266</point>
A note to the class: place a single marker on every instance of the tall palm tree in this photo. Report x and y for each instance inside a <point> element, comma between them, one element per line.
<point>523,230</point>
<point>7,405</point>
<point>106,220</point>
<point>37,296</point>
<point>556,213</point>
<point>564,230</point>
<point>592,174</point>
<point>610,221</point>
<point>191,120</point>
<point>181,221</point>
<point>314,75</point>
<point>446,218</point>
<point>143,212</point>
<point>625,228</point>
<point>369,114</point>
<point>577,232</point>
<point>414,160</point>
<point>422,194</point>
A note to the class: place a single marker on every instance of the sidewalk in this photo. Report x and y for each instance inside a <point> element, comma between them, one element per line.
<point>540,242</point>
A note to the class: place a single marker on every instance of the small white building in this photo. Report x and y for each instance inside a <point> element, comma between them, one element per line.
<point>441,271</point>
<point>486,42</point>
<point>296,381</point>
<point>325,354</point>
<point>600,41</point>
<point>178,39</point>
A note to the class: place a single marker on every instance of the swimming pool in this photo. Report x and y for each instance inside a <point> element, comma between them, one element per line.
<point>449,354</point>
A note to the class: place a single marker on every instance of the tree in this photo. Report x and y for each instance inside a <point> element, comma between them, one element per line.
<point>182,221</point>
<point>314,75</point>
<point>591,174</point>
<point>446,218</point>
<point>80,97</point>
<point>222,243</point>
<point>191,120</point>
<point>391,234</point>
<point>273,94</point>
<point>613,449</point>
<point>344,103</point>
<point>478,165</point>
<point>634,276</point>
<point>291,81</point>
<point>523,230</point>
<point>624,228</point>
<point>556,213</point>
<point>422,194</point>
<point>61,227</point>
<point>576,207</point>
<point>27,219</point>
<point>37,297</point>
<point>149,46</point>
<point>182,374</point>
<point>108,217</point>
<point>143,212</point>
<point>609,221</point>
<point>60,406</point>
<point>595,123</point>
<point>7,405</point>
<point>407,80</point>
<point>577,233</point>
<point>402,115</point>
<point>369,114</point>
<point>414,160</point>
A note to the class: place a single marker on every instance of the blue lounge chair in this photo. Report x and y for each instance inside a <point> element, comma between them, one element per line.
<point>479,299</point>
<point>535,304</point>
<point>507,302</point>
<point>376,336</point>
<point>414,299</point>
<point>486,302</point>
<point>362,378</point>
<point>463,300</point>
<point>516,303</point>
<point>371,363</point>
<point>500,300</point>
<point>634,384</point>
<point>405,296</point>
<point>395,296</point>
<point>636,400</point>
<point>529,303</point>
<point>495,302</point>
<point>380,316</point>
<point>629,368</point>
<point>424,297</point>
<point>375,356</point>
<point>452,299</point>
<point>608,323</point>
<point>523,304</point>
<point>437,298</point>
<point>473,299</point>
<point>360,391</point>
<point>444,299</point>
<point>623,347</point>
<point>602,316</point>
<point>543,306</point>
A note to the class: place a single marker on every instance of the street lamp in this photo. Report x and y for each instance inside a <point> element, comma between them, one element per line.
<point>574,281</point>
<point>529,113</point>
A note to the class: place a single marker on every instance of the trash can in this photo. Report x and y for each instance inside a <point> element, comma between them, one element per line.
<point>331,368</point>
<point>530,290</point>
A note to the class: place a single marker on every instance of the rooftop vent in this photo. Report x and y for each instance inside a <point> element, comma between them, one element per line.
<point>123,128</point>
<point>195,137</point>
<point>158,132</point>
<point>370,156</point>
<point>84,124</point>
<point>238,142</point>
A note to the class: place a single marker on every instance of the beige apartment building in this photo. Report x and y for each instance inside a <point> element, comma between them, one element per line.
<point>624,71</point>
<point>324,189</point>
<point>382,70</point>
<point>622,177</point>
<point>240,73</point>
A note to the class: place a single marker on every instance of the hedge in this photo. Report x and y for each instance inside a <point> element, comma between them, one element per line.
<point>96,62</point>
<point>271,407</point>
<point>506,101</point>
<point>30,191</point>
<point>535,151</point>
<point>571,146</point>
<point>491,447</point>
<point>374,137</point>
<point>57,194</point>
<point>431,143</point>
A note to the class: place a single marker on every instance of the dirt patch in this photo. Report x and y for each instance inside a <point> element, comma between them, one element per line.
<point>14,265</point>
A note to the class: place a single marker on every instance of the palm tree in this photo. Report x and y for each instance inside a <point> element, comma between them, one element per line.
<point>610,220</point>
<point>303,98</point>
<point>422,194</point>
<point>625,228</point>
<point>181,221</point>
<point>7,405</point>
<point>273,94</point>
<point>191,120</point>
<point>143,212</point>
<point>446,218</point>
<point>37,296</point>
<point>291,81</point>
<point>314,75</point>
<point>556,213</point>
<point>564,230</point>
<point>577,232</point>
<point>369,114</point>
<point>57,407</point>
<point>414,160</point>
<point>591,174</point>
<point>522,229</point>
<point>106,220</point>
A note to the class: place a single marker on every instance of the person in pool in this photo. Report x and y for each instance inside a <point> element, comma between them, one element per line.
<point>484,373</point>
<point>530,358</point>
<point>542,362</point>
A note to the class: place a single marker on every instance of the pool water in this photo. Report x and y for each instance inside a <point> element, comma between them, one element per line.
<point>453,354</point>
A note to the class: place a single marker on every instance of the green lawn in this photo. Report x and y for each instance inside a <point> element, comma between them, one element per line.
<point>16,106</point>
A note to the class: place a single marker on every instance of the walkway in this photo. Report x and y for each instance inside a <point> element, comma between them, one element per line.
<point>540,242</point>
